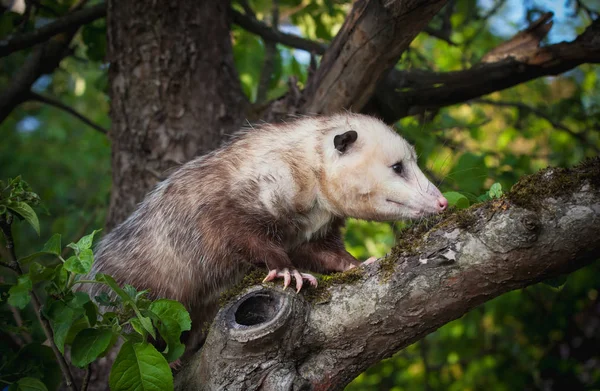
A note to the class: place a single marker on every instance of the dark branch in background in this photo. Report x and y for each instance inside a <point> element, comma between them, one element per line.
<point>539,113</point>
<point>53,102</point>
<point>72,20</point>
<point>268,34</point>
<point>249,23</point>
<point>445,31</point>
<point>405,93</point>
<point>42,60</point>
<point>247,9</point>
<point>270,53</point>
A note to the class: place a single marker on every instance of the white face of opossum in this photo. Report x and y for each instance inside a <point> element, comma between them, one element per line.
<point>371,173</point>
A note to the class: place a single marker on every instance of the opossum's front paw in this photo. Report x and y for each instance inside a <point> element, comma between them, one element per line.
<point>287,277</point>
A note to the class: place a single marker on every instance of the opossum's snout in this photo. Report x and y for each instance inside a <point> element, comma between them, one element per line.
<point>442,203</point>
<point>412,195</point>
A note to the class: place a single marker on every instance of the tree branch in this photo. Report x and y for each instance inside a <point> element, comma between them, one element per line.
<point>405,93</point>
<point>72,20</point>
<point>43,59</point>
<point>253,25</point>
<point>370,42</point>
<point>70,110</point>
<point>270,339</point>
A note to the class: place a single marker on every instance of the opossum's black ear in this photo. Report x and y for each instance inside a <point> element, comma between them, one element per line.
<point>345,140</point>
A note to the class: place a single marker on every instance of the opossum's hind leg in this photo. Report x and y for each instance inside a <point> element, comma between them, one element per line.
<point>287,277</point>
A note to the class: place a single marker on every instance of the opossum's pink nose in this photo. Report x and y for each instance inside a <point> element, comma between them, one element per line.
<point>442,203</point>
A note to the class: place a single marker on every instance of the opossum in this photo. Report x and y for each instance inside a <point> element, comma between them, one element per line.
<point>274,197</point>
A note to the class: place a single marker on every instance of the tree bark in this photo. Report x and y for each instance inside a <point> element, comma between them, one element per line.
<point>549,224</point>
<point>174,90</point>
<point>371,41</point>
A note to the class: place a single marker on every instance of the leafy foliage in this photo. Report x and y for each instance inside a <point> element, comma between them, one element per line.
<point>78,325</point>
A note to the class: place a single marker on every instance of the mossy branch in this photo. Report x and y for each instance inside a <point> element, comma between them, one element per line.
<point>547,225</point>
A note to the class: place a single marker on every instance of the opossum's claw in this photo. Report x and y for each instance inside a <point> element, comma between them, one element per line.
<point>271,276</point>
<point>370,261</point>
<point>298,278</point>
<point>287,278</point>
<point>310,278</point>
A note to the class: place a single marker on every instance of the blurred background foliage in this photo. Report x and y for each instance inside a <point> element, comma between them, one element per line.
<point>546,336</point>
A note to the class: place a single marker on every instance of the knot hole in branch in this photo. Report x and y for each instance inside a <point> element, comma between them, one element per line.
<point>256,309</point>
<point>258,315</point>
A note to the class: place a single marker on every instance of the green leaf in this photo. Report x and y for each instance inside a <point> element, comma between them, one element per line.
<point>139,366</point>
<point>456,199</point>
<point>144,321</point>
<point>28,384</point>
<point>26,212</point>
<point>104,299</point>
<point>19,294</point>
<point>173,318</point>
<point>78,325</point>
<point>137,326</point>
<point>80,263</point>
<point>62,318</point>
<point>52,246</point>
<point>146,324</point>
<point>38,273</point>
<point>91,312</point>
<point>86,241</point>
<point>89,344</point>
<point>60,280</point>
<point>495,191</point>
<point>130,290</point>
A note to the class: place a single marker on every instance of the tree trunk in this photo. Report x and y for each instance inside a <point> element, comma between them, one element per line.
<point>174,90</point>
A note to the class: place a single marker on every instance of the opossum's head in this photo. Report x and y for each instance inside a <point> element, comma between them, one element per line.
<point>370,172</point>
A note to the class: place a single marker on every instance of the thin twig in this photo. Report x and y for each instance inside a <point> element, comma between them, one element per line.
<point>19,322</point>
<point>267,33</point>
<point>62,106</point>
<point>247,9</point>
<point>5,227</point>
<point>86,378</point>
<point>439,34</point>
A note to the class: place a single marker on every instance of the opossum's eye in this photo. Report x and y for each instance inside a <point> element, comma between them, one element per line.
<point>343,141</point>
<point>398,168</point>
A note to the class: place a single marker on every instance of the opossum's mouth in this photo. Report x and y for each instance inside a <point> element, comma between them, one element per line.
<point>395,202</point>
<point>412,213</point>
